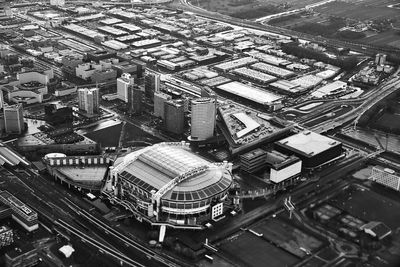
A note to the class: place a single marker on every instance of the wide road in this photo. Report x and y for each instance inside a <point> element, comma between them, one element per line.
<point>385,90</point>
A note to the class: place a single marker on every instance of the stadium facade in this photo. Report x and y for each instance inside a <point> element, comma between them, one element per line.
<point>168,184</point>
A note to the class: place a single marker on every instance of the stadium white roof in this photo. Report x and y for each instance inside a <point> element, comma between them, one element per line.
<point>153,167</point>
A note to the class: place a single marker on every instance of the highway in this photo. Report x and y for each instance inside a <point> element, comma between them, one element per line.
<point>383,91</point>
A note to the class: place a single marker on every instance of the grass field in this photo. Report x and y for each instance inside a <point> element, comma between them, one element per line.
<point>356,10</point>
<point>288,237</point>
<point>248,9</point>
<point>360,10</point>
<point>392,120</point>
<point>250,250</point>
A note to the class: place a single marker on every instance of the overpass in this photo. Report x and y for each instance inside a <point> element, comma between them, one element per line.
<point>384,91</point>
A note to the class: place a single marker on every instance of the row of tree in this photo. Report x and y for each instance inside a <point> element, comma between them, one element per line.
<point>346,63</point>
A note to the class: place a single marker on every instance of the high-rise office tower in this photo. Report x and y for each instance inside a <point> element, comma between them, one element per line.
<point>135,100</point>
<point>174,118</point>
<point>88,100</point>
<point>159,101</point>
<point>203,118</point>
<point>1,99</point>
<point>123,83</point>
<point>14,118</point>
<point>151,84</point>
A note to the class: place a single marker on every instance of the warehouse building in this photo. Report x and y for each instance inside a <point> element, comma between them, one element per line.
<point>312,148</point>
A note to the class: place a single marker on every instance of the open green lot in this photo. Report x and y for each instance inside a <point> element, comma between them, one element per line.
<point>249,250</point>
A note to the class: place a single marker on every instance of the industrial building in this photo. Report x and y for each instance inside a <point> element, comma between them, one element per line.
<point>287,87</point>
<point>167,184</point>
<point>253,94</point>
<point>312,148</point>
<point>273,70</point>
<point>233,64</point>
<point>307,82</point>
<point>203,116</point>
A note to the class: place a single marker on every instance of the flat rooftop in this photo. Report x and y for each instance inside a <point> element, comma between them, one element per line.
<point>86,174</point>
<point>251,93</point>
<point>308,143</point>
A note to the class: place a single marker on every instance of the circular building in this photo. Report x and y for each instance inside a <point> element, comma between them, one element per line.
<point>169,184</point>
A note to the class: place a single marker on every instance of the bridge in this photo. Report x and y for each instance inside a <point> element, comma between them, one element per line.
<point>384,91</point>
<point>265,192</point>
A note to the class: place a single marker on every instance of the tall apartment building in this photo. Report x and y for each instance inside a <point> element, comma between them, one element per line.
<point>380,59</point>
<point>123,83</point>
<point>174,118</point>
<point>151,84</point>
<point>14,118</point>
<point>203,118</point>
<point>88,100</point>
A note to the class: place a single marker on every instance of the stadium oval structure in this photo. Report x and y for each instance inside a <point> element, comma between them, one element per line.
<point>168,183</point>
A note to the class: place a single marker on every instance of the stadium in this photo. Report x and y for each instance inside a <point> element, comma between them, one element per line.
<point>168,184</point>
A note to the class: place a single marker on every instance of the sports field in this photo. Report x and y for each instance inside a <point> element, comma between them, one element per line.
<point>389,120</point>
<point>288,237</point>
<point>368,206</point>
<point>249,250</point>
